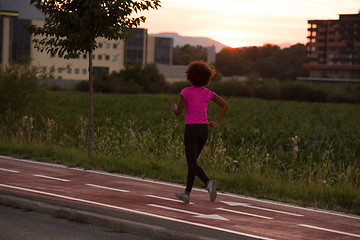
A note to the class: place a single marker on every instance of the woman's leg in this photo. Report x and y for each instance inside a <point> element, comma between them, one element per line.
<point>195,138</point>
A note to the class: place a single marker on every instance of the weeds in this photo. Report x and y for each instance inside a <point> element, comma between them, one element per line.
<point>123,140</point>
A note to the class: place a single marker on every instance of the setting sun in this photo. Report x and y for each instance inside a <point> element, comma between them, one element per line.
<point>230,38</point>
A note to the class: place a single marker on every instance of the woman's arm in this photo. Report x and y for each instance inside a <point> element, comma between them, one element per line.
<point>224,106</point>
<point>178,109</point>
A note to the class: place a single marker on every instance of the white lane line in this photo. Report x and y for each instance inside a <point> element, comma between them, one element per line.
<point>244,213</point>
<point>134,211</point>
<point>291,206</point>
<point>200,215</point>
<point>167,199</point>
<point>52,178</point>
<point>330,230</point>
<point>260,208</point>
<point>8,170</point>
<point>108,188</point>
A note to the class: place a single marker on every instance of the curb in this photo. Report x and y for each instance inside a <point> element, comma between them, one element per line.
<point>109,222</point>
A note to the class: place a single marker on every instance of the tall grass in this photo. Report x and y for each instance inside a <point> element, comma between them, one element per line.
<point>293,151</point>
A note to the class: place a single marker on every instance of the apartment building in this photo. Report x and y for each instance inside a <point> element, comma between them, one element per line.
<point>333,50</point>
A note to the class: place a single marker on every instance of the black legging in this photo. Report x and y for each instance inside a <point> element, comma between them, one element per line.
<point>195,137</point>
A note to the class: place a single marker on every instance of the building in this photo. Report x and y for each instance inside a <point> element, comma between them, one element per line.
<point>333,50</point>
<point>136,48</point>
<point>143,49</point>
<point>211,54</point>
<point>109,56</point>
<point>14,41</point>
<point>163,50</point>
<point>16,46</point>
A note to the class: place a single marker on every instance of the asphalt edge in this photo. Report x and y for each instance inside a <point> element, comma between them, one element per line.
<point>109,222</point>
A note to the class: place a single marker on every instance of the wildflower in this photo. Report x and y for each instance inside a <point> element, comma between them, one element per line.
<point>296,149</point>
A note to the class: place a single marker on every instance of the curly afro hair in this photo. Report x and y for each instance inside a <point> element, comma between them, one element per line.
<point>199,73</point>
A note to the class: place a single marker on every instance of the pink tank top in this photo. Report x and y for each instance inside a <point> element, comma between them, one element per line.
<point>197,100</point>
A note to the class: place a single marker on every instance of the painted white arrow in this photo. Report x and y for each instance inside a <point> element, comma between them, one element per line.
<point>200,215</point>
<point>234,204</point>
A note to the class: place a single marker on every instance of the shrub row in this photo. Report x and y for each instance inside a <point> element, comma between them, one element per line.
<point>147,79</point>
<point>272,89</point>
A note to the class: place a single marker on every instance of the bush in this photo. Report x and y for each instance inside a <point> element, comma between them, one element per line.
<point>343,94</point>
<point>298,91</point>
<point>132,79</point>
<point>267,89</point>
<point>176,87</point>
<point>21,91</point>
<point>232,88</point>
<point>82,86</point>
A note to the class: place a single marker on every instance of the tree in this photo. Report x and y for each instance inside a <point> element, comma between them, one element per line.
<point>72,26</point>
<point>185,54</point>
<point>270,61</point>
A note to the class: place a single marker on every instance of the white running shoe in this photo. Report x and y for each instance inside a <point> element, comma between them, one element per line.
<point>183,197</point>
<point>211,188</point>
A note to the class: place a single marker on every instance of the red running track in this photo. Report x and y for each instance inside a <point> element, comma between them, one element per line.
<point>230,213</point>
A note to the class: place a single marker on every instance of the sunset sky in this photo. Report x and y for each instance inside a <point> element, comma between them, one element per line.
<point>238,23</point>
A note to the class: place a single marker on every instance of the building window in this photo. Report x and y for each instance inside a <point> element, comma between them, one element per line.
<point>115,46</point>
<point>77,71</point>
<point>44,69</point>
<point>114,58</point>
<point>84,56</point>
<point>69,70</point>
<point>107,57</point>
<point>99,57</point>
<point>107,45</point>
<point>84,71</point>
<point>59,70</point>
<point>20,40</point>
<point>100,45</point>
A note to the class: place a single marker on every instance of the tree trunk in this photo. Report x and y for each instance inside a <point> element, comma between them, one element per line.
<point>91,107</point>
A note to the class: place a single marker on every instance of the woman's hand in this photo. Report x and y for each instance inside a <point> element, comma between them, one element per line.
<point>213,124</point>
<point>224,106</point>
<point>173,107</point>
<point>178,109</point>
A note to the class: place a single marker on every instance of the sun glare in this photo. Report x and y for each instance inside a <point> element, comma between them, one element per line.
<point>231,38</point>
<point>231,43</point>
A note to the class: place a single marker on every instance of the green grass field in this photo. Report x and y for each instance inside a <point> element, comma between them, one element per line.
<point>297,152</point>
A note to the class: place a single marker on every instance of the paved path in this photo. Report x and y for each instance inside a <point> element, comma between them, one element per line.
<point>231,214</point>
<point>16,224</point>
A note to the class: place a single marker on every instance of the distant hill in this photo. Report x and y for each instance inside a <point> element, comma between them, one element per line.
<point>194,41</point>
